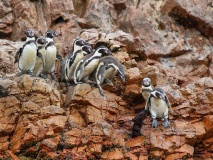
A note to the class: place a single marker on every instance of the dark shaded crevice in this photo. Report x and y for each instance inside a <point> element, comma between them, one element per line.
<point>189,21</point>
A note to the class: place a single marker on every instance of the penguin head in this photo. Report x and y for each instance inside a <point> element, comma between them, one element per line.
<point>30,33</point>
<point>41,41</point>
<point>79,42</point>
<point>87,49</point>
<point>121,72</point>
<point>123,76</point>
<point>104,50</point>
<point>51,34</point>
<point>146,82</point>
<point>158,93</point>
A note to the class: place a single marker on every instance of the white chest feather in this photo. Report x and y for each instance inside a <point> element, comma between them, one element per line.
<point>71,68</point>
<point>110,73</point>
<point>158,108</point>
<point>50,58</point>
<point>39,64</point>
<point>28,57</point>
<point>89,68</point>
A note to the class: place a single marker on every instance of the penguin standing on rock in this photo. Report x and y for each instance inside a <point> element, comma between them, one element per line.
<point>107,68</point>
<point>158,105</point>
<point>41,53</point>
<point>26,55</point>
<point>146,88</point>
<point>80,49</point>
<point>51,54</point>
<point>88,64</point>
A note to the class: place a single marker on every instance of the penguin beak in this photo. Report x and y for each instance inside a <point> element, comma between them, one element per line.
<point>108,52</point>
<point>55,34</point>
<point>87,48</point>
<point>123,78</point>
<point>162,97</point>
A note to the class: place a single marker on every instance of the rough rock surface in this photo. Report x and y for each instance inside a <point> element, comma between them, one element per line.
<point>169,41</point>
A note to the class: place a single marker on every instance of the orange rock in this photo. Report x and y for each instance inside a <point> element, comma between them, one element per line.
<point>95,148</point>
<point>135,142</point>
<point>200,130</point>
<point>186,149</point>
<point>175,156</point>
<point>116,154</point>
<point>133,76</point>
<point>208,122</point>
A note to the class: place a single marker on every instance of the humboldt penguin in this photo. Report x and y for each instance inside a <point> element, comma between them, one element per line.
<point>77,55</point>
<point>26,55</point>
<point>41,53</point>
<point>146,88</point>
<point>88,64</point>
<point>107,68</point>
<point>51,55</point>
<point>158,104</point>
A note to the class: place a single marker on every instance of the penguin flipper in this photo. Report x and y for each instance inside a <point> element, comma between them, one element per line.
<point>42,58</point>
<point>79,70</point>
<point>148,103</point>
<point>18,54</point>
<point>168,104</point>
<point>60,58</point>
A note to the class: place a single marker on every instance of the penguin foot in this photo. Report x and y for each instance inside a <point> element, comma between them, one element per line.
<point>102,92</point>
<point>43,76</point>
<point>20,74</point>
<point>30,73</point>
<point>166,123</point>
<point>53,76</point>
<point>154,123</point>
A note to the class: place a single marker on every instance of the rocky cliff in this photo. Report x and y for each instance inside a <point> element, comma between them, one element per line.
<point>169,41</point>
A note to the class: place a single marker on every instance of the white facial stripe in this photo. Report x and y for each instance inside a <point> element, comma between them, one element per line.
<point>29,39</point>
<point>49,39</point>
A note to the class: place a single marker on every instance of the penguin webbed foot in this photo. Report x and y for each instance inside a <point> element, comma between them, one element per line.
<point>101,91</point>
<point>53,76</point>
<point>30,73</point>
<point>43,76</point>
<point>20,74</point>
<point>154,123</point>
<point>166,123</point>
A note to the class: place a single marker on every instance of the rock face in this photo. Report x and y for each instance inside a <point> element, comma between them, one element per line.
<point>169,41</point>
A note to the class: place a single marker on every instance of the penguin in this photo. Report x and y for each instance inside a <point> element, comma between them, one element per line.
<point>89,63</point>
<point>26,55</point>
<point>71,63</point>
<point>158,105</point>
<point>41,53</point>
<point>146,88</point>
<point>71,59</point>
<point>107,68</point>
<point>51,54</point>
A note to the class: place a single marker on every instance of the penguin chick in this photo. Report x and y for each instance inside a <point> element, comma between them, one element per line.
<point>107,68</point>
<point>41,53</point>
<point>26,55</point>
<point>146,88</point>
<point>158,105</point>
<point>72,61</point>
<point>88,64</point>
<point>51,54</point>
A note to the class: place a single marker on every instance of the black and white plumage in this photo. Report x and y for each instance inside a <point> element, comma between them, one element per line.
<point>41,53</point>
<point>80,49</point>
<point>26,55</point>
<point>107,68</point>
<point>158,105</point>
<point>146,88</point>
<point>51,54</point>
<point>89,63</point>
